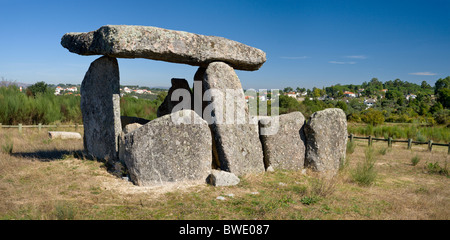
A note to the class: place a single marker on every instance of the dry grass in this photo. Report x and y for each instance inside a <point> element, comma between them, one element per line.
<point>42,179</point>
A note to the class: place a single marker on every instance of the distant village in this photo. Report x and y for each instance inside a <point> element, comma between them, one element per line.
<point>262,96</point>
<point>74,90</point>
<point>346,96</point>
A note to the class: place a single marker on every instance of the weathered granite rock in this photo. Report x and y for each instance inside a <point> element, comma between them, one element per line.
<point>286,148</point>
<point>219,178</point>
<point>167,106</point>
<point>64,135</point>
<point>236,141</point>
<point>125,121</point>
<point>100,108</point>
<point>162,151</point>
<point>127,129</point>
<point>124,41</point>
<point>326,140</point>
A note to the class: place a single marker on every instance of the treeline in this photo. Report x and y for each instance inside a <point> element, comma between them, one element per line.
<point>429,106</point>
<point>40,107</point>
<point>39,104</point>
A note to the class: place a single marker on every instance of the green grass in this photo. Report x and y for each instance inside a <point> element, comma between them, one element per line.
<point>81,188</point>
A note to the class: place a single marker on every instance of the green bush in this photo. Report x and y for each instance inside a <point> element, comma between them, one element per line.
<point>372,116</point>
<point>350,147</point>
<point>415,160</point>
<point>435,168</point>
<point>8,146</point>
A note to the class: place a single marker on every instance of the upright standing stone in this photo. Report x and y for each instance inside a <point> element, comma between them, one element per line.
<point>237,142</point>
<point>326,140</point>
<point>100,108</point>
<point>169,103</point>
<point>286,148</point>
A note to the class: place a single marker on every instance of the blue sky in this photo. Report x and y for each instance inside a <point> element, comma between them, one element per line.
<point>308,43</point>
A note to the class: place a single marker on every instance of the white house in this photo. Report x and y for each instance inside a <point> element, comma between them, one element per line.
<point>349,94</point>
<point>370,102</point>
<point>410,96</point>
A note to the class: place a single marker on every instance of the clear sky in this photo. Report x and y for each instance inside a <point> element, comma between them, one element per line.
<point>309,43</point>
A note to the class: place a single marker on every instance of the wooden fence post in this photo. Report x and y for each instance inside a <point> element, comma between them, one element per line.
<point>370,140</point>
<point>430,145</point>
<point>20,127</point>
<point>351,137</point>
<point>409,143</point>
<point>390,142</point>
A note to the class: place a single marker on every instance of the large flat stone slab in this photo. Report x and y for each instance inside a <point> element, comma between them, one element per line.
<point>125,41</point>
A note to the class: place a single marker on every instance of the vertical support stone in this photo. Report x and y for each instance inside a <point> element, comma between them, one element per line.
<point>176,100</point>
<point>409,143</point>
<point>390,142</point>
<point>351,137</point>
<point>236,141</point>
<point>100,108</point>
<point>370,140</point>
<point>326,140</point>
<point>20,127</point>
<point>430,145</point>
<point>286,148</point>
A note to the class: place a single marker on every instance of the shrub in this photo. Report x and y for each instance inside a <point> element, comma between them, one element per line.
<point>8,147</point>
<point>415,160</point>
<point>372,116</point>
<point>365,173</point>
<point>308,200</point>
<point>351,147</point>
<point>383,151</point>
<point>435,168</point>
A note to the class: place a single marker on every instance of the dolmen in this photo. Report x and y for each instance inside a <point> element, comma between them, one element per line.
<point>199,134</point>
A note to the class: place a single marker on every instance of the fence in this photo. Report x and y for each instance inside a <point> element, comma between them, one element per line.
<point>40,126</point>
<point>409,141</point>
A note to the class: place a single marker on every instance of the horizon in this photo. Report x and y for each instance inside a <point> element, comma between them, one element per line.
<point>308,43</point>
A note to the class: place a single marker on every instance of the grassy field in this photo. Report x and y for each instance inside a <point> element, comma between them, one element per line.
<point>49,179</point>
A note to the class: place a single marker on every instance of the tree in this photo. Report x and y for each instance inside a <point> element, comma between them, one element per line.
<point>316,92</point>
<point>372,116</point>
<point>39,87</point>
<point>342,105</point>
<point>441,83</point>
<point>288,89</point>
<point>393,94</point>
<point>442,91</point>
<point>425,85</point>
<point>444,97</point>
<point>288,104</point>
